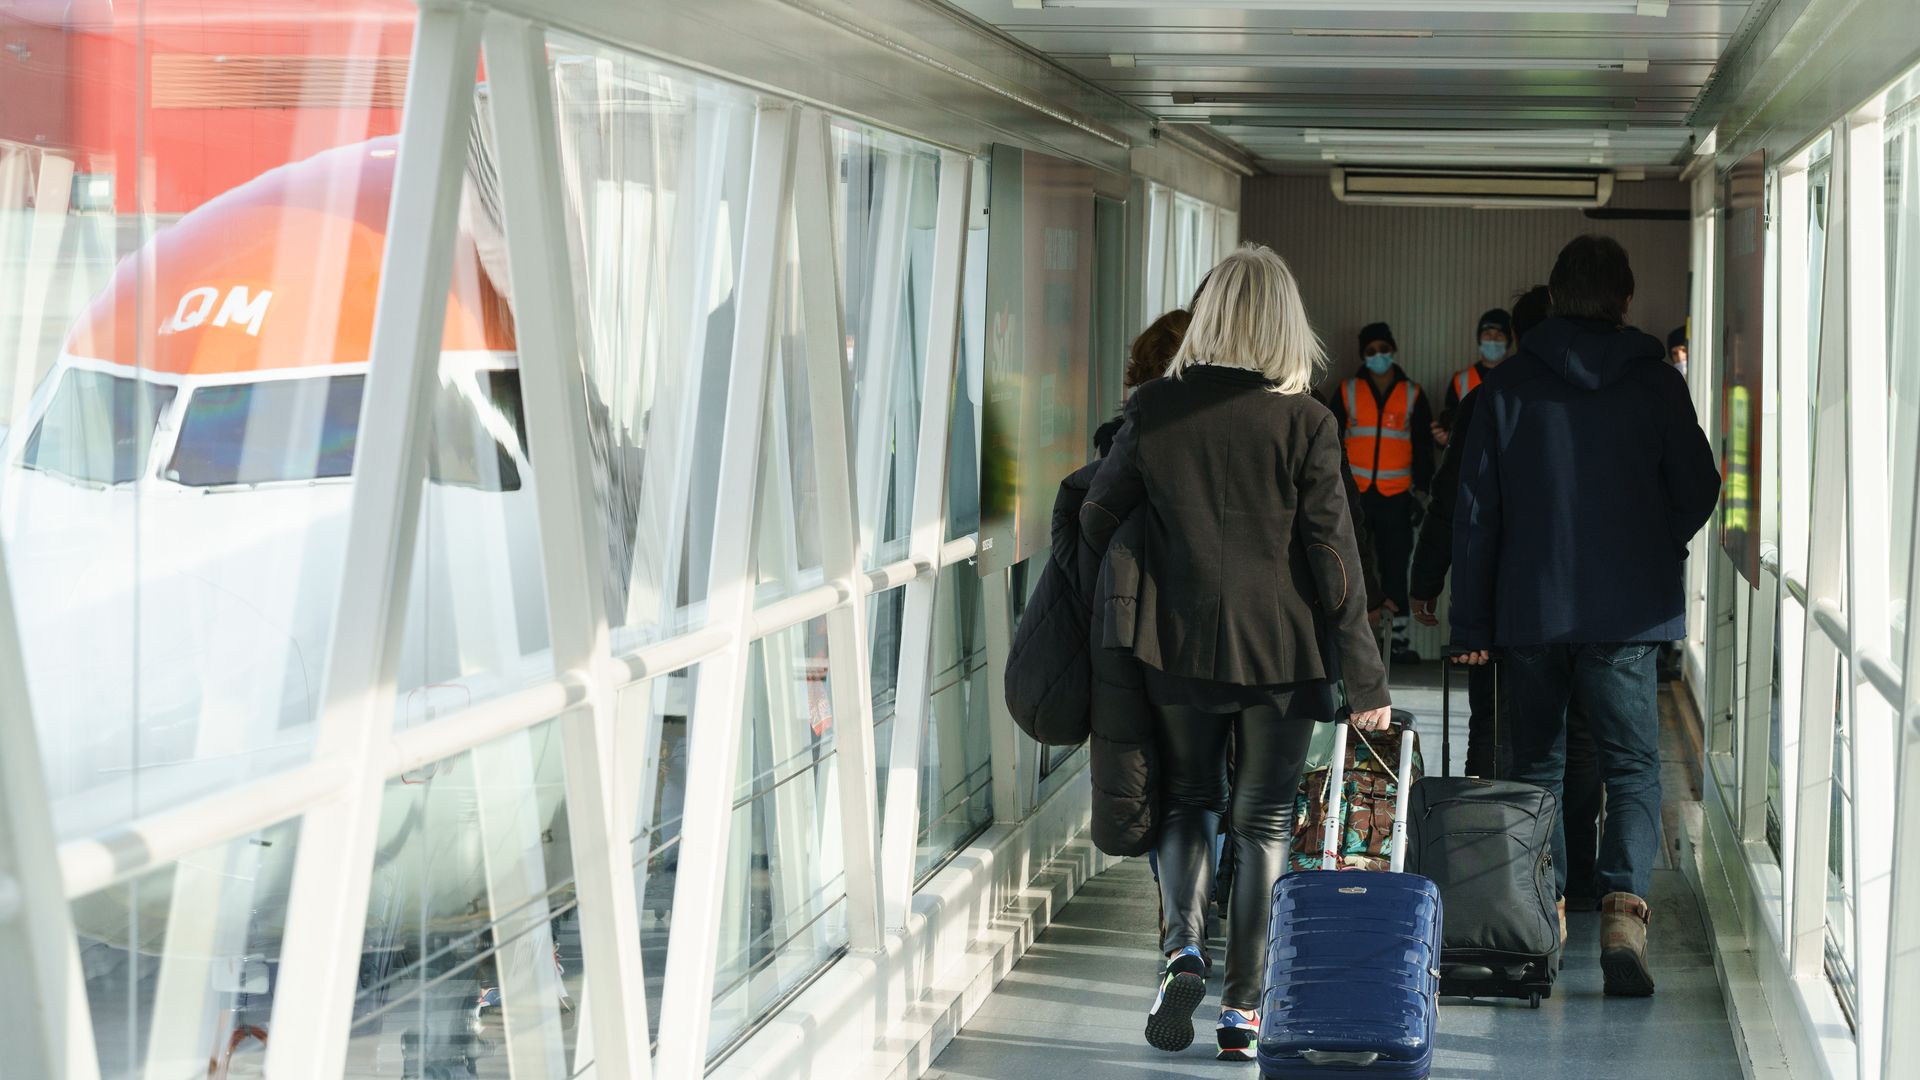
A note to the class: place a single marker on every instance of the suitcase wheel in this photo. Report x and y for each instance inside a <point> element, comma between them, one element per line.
<point>1533,1001</point>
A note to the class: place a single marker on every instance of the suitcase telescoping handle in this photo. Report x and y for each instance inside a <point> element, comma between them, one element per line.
<point>1336,781</point>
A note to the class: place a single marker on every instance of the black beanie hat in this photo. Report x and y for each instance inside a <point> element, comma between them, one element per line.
<point>1677,338</point>
<point>1496,319</point>
<point>1376,332</point>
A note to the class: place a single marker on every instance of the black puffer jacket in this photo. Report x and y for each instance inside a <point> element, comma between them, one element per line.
<point>1062,688</point>
<point>1049,681</point>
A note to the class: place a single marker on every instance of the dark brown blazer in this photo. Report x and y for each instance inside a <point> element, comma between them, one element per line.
<point>1249,560</point>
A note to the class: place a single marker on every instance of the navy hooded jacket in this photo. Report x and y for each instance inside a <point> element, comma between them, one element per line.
<point>1585,476</point>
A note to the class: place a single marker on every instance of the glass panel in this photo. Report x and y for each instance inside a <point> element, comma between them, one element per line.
<point>656,162</point>
<point>1819,183</point>
<point>476,605</point>
<point>787,557</point>
<point>888,195</point>
<point>658,710</point>
<point>885,615</point>
<point>783,917</point>
<point>190,199</point>
<point>1842,908</point>
<point>963,432</point>
<point>181,963</point>
<point>1903,344</point>
<point>956,749</point>
<point>472,963</point>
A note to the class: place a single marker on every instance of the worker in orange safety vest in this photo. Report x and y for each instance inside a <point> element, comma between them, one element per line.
<point>1494,338</point>
<point>1388,428</point>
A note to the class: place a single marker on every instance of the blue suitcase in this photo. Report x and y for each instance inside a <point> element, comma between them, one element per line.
<point>1353,962</point>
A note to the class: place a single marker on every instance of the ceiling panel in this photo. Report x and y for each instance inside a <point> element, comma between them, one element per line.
<point>1508,82</point>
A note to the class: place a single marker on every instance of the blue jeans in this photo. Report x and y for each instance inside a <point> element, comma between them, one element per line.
<point>1617,688</point>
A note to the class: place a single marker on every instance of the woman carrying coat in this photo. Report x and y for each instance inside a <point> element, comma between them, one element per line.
<point>1249,578</point>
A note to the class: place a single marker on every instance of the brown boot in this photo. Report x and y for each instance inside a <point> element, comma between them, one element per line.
<point>1623,945</point>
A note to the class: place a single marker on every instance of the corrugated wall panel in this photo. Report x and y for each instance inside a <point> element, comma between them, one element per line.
<point>1431,271</point>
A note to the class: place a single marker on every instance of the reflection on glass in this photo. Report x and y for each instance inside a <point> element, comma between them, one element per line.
<point>1903,344</point>
<point>1784,607</point>
<point>888,195</point>
<point>192,243</point>
<point>1841,909</point>
<point>786,551</point>
<point>98,428</point>
<point>1819,179</point>
<point>783,916</point>
<point>181,963</point>
<point>885,614</point>
<point>655,164</point>
<point>963,433</point>
<point>471,964</point>
<point>657,710</point>
<point>956,750</point>
<point>476,608</point>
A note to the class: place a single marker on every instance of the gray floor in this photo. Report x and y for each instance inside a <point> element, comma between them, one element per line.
<point>1076,1003</point>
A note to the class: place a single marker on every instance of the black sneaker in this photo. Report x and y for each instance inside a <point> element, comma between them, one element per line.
<point>1183,982</point>
<point>1238,1035</point>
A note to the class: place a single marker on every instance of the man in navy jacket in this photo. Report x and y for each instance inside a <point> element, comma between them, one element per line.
<point>1585,476</point>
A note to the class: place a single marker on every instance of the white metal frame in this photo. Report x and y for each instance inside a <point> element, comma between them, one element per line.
<point>1829,577</point>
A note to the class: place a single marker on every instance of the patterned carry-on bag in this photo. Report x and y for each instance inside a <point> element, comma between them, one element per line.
<point>1353,958</point>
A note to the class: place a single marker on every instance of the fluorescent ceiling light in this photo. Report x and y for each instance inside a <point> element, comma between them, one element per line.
<point>1368,137</point>
<point>1406,63</point>
<point>1337,32</point>
<point>1654,8</point>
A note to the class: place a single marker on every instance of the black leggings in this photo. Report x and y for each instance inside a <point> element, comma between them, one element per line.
<point>1270,746</point>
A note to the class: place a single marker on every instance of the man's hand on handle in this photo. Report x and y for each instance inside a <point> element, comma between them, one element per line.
<point>1423,612</point>
<point>1373,719</point>
<point>1476,658</point>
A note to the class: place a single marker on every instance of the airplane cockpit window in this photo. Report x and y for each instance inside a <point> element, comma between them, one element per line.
<point>290,430</point>
<point>97,428</point>
<point>268,432</point>
<point>478,427</point>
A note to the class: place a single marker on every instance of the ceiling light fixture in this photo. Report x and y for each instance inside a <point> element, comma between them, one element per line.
<point>1652,8</point>
<point>1406,63</point>
<point>1338,32</point>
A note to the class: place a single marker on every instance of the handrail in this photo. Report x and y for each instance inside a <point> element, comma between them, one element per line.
<point>122,852</point>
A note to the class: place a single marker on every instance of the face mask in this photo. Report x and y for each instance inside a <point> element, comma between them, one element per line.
<point>1494,351</point>
<point>1380,363</point>
<point>1681,367</point>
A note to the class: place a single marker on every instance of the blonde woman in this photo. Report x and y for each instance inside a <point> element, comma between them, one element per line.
<point>1250,593</point>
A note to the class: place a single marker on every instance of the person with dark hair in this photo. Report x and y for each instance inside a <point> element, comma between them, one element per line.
<point>1388,433</point>
<point>1433,554</point>
<point>1147,360</point>
<point>1677,348</point>
<point>1153,350</point>
<point>1584,476</point>
<point>1495,339</point>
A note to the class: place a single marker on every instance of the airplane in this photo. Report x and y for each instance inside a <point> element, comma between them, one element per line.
<point>175,509</point>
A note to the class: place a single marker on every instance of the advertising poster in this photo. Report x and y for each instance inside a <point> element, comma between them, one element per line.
<point>1039,332</point>
<point>1743,344</point>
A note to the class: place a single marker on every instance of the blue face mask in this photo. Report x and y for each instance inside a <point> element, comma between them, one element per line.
<point>1494,351</point>
<point>1380,363</point>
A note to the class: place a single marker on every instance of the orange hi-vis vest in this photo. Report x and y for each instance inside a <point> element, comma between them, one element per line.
<point>1465,381</point>
<point>1380,441</point>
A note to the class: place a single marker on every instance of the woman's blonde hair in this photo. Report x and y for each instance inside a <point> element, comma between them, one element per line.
<point>1249,315</point>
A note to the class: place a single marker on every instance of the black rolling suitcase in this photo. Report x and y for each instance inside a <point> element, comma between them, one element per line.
<point>1488,844</point>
